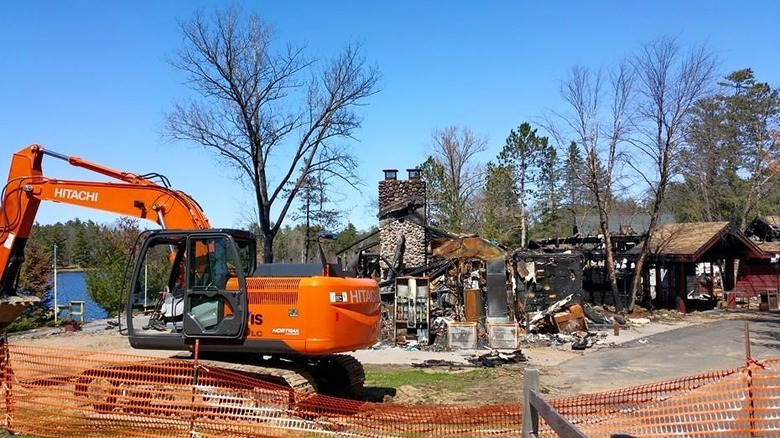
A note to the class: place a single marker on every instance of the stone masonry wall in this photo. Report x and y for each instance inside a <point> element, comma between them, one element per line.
<point>401,211</point>
<point>414,235</point>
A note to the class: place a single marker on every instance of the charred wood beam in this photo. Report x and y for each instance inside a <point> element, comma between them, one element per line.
<point>584,240</point>
<point>358,242</point>
<point>432,270</point>
<point>392,273</point>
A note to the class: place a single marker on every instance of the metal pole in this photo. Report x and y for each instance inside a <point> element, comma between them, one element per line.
<point>56,307</point>
<point>146,281</point>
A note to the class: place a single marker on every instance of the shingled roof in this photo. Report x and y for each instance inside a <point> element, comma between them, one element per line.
<point>769,247</point>
<point>772,220</point>
<point>700,241</point>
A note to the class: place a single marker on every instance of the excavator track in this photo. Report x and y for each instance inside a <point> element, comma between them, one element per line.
<point>134,388</point>
<point>338,375</point>
<point>285,374</point>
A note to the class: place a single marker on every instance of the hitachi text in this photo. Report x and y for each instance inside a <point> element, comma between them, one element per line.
<point>81,195</point>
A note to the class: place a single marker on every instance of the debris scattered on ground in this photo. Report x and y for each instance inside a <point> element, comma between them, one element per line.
<point>595,313</point>
<point>668,315</point>
<point>578,340</point>
<point>439,363</point>
<point>639,322</point>
<point>495,358</point>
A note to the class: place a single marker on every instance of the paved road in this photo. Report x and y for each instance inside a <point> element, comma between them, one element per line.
<point>686,351</point>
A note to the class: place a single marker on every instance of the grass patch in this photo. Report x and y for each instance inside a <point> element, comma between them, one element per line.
<point>5,434</point>
<point>454,380</point>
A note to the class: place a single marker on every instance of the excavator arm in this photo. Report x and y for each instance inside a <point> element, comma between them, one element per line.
<point>132,195</point>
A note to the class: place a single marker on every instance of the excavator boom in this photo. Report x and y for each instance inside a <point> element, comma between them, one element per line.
<point>290,322</point>
<point>132,195</point>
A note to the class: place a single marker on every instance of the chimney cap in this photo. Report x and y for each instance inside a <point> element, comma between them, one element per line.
<point>391,174</point>
<point>414,173</point>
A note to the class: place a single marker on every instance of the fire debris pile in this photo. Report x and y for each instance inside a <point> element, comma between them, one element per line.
<point>491,359</point>
<point>564,316</point>
<point>495,358</point>
<point>471,293</point>
<point>566,322</point>
<point>475,294</point>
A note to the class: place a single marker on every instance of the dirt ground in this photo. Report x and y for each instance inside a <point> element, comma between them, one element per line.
<point>503,384</point>
<point>496,385</point>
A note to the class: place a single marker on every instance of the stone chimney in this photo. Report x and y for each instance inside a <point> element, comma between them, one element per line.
<point>402,207</point>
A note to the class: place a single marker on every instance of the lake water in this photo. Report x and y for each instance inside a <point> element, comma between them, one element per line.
<point>72,286</point>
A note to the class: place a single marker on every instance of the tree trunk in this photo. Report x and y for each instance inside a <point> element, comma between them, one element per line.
<point>609,255</point>
<point>610,262</point>
<point>268,245</point>
<point>523,231</point>
<point>640,263</point>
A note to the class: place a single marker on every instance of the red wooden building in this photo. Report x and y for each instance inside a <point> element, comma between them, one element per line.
<point>760,275</point>
<point>691,264</point>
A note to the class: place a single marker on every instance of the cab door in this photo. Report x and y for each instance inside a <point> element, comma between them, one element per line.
<point>215,300</point>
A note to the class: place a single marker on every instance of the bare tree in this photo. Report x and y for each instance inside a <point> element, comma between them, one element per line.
<point>275,116</point>
<point>455,176</point>
<point>598,120</point>
<point>670,83</point>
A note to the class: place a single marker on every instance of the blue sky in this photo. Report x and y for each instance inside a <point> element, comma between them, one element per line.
<point>88,78</point>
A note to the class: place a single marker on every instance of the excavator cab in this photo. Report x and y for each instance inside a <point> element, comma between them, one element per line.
<point>199,279</point>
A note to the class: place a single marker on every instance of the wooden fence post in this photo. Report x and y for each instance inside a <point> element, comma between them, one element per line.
<point>530,418</point>
<point>535,405</point>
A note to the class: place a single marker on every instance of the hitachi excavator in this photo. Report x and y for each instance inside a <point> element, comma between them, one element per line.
<point>285,321</point>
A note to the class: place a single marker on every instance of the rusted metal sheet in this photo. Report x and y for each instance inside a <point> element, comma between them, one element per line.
<point>474,305</point>
<point>571,320</point>
<point>466,247</point>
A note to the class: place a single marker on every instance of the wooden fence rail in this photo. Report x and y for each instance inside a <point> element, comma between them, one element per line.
<point>535,405</point>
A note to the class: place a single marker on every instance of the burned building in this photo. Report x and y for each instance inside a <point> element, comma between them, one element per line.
<point>576,265</point>
<point>429,274</point>
<point>544,278</point>
<point>764,229</point>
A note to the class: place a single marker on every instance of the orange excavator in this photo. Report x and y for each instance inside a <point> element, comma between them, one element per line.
<point>289,322</point>
<point>135,196</point>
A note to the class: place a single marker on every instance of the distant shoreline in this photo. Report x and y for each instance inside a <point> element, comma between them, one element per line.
<point>59,270</point>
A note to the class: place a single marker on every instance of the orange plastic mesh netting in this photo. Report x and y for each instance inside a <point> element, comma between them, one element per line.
<point>60,392</point>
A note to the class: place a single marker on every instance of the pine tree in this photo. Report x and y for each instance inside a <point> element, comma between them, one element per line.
<point>500,206</point>
<point>521,155</point>
<point>109,278</point>
<point>549,192</point>
<point>35,277</point>
<point>314,200</point>
<point>728,152</point>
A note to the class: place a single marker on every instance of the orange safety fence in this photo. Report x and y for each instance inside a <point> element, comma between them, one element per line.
<point>53,392</point>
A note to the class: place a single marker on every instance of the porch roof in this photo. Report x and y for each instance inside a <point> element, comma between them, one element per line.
<point>699,242</point>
